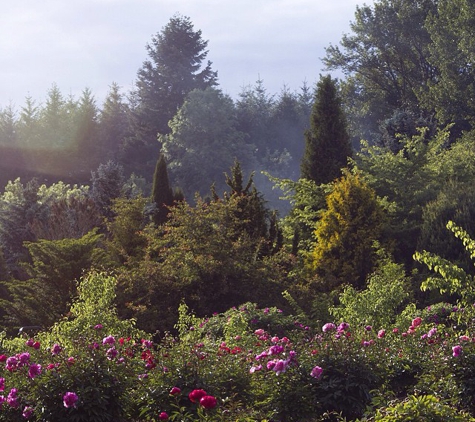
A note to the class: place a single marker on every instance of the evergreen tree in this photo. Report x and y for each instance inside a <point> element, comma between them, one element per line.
<point>346,234</point>
<point>162,194</point>
<point>107,184</point>
<point>113,125</point>
<point>327,144</point>
<point>8,126</point>
<point>174,69</point>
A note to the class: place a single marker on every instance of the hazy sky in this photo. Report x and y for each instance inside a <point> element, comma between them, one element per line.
<point>92,43</point>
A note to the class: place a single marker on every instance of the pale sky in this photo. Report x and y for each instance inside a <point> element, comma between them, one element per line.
<point>92,43</point>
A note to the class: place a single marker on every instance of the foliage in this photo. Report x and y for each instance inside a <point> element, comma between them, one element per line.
<point>346,232</point>
<point>126,241</point>
<point>451,278</point>
<point>387,291</point>
<point>204,255</point>
<point>55,267</point>
<point>423,408</point>
<point>327,143</point>
<point>204,142</point>
<point>451,30</point>
<point>162,194</point>
<point>386,60</point>
<point>107,183</point>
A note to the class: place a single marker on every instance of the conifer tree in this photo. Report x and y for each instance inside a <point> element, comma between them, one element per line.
<point>327,143</point>
<point>162,194</point>
<point>346,234</point>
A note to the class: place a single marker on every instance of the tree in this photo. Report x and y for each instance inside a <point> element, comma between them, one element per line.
<point>28,124</point>
<point>202,256</point>
<point>251,213</point>
<point>452,31</point>
<point>327,144</point>
<point>204,141</point>
<point>346,233</point>
<point>86,132</point>
<point>8,127</point>
<point>107,184</point>
<point>113,125</point>
<point>386,62</point>
<point>56,266</point>
<point>162,194</point>
<point>174,69</point>
<point>254,111</point>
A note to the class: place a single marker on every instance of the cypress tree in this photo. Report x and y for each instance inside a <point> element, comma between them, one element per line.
<point>162,194</point>
<point>327,143</point>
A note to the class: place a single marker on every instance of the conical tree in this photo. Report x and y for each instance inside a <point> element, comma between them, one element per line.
<point>346,233</point>
<point>327,143</point>
<point>162,194</point>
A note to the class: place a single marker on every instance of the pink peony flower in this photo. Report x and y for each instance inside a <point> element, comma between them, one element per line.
<point>34,370</point>
<point>108,340</point>
<point>381,333</point>
<point>56,349</point>
<point>23,358</point>
<point>280,366</point>
<point>329,326</point>
<point>255,368</point>
<point>70,399</point>
<point>163,416</point>
<point>316,372</point>
<point>456,351</point>
<point>416,322</point>
<point>12,398</point>
<point>27,412</point>
<point>111,353</point>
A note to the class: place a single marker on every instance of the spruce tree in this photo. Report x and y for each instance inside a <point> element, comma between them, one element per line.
<point>327,143</point>
<point>162,194</point>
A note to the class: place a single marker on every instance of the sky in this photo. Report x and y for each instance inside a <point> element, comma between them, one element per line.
<point>80,44</point>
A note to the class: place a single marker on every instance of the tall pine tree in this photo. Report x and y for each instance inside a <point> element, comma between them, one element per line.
<point>162,194</point>
<point>327,143</point>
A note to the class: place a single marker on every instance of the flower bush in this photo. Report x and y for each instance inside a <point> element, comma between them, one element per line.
<point>245,364</point>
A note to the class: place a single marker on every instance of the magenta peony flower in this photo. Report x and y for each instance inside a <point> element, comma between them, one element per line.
<point>23,358</point>
<point>12,363</point>
<point>163,416</point>
<point>196,395</point>
<point>456,351</point>
<point>280,366</point>
<point>108,340</point>
<point>381,333</point>
<point>70,399</point>
<point>175,391</point>
<point>34,370</point>
<point>12,398</point>
<point>316,372</point>
<point>208,402</point>
<point>27,412</point>
<point>56,349</point>
<point>111,353</point>
<point>329,326</point>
